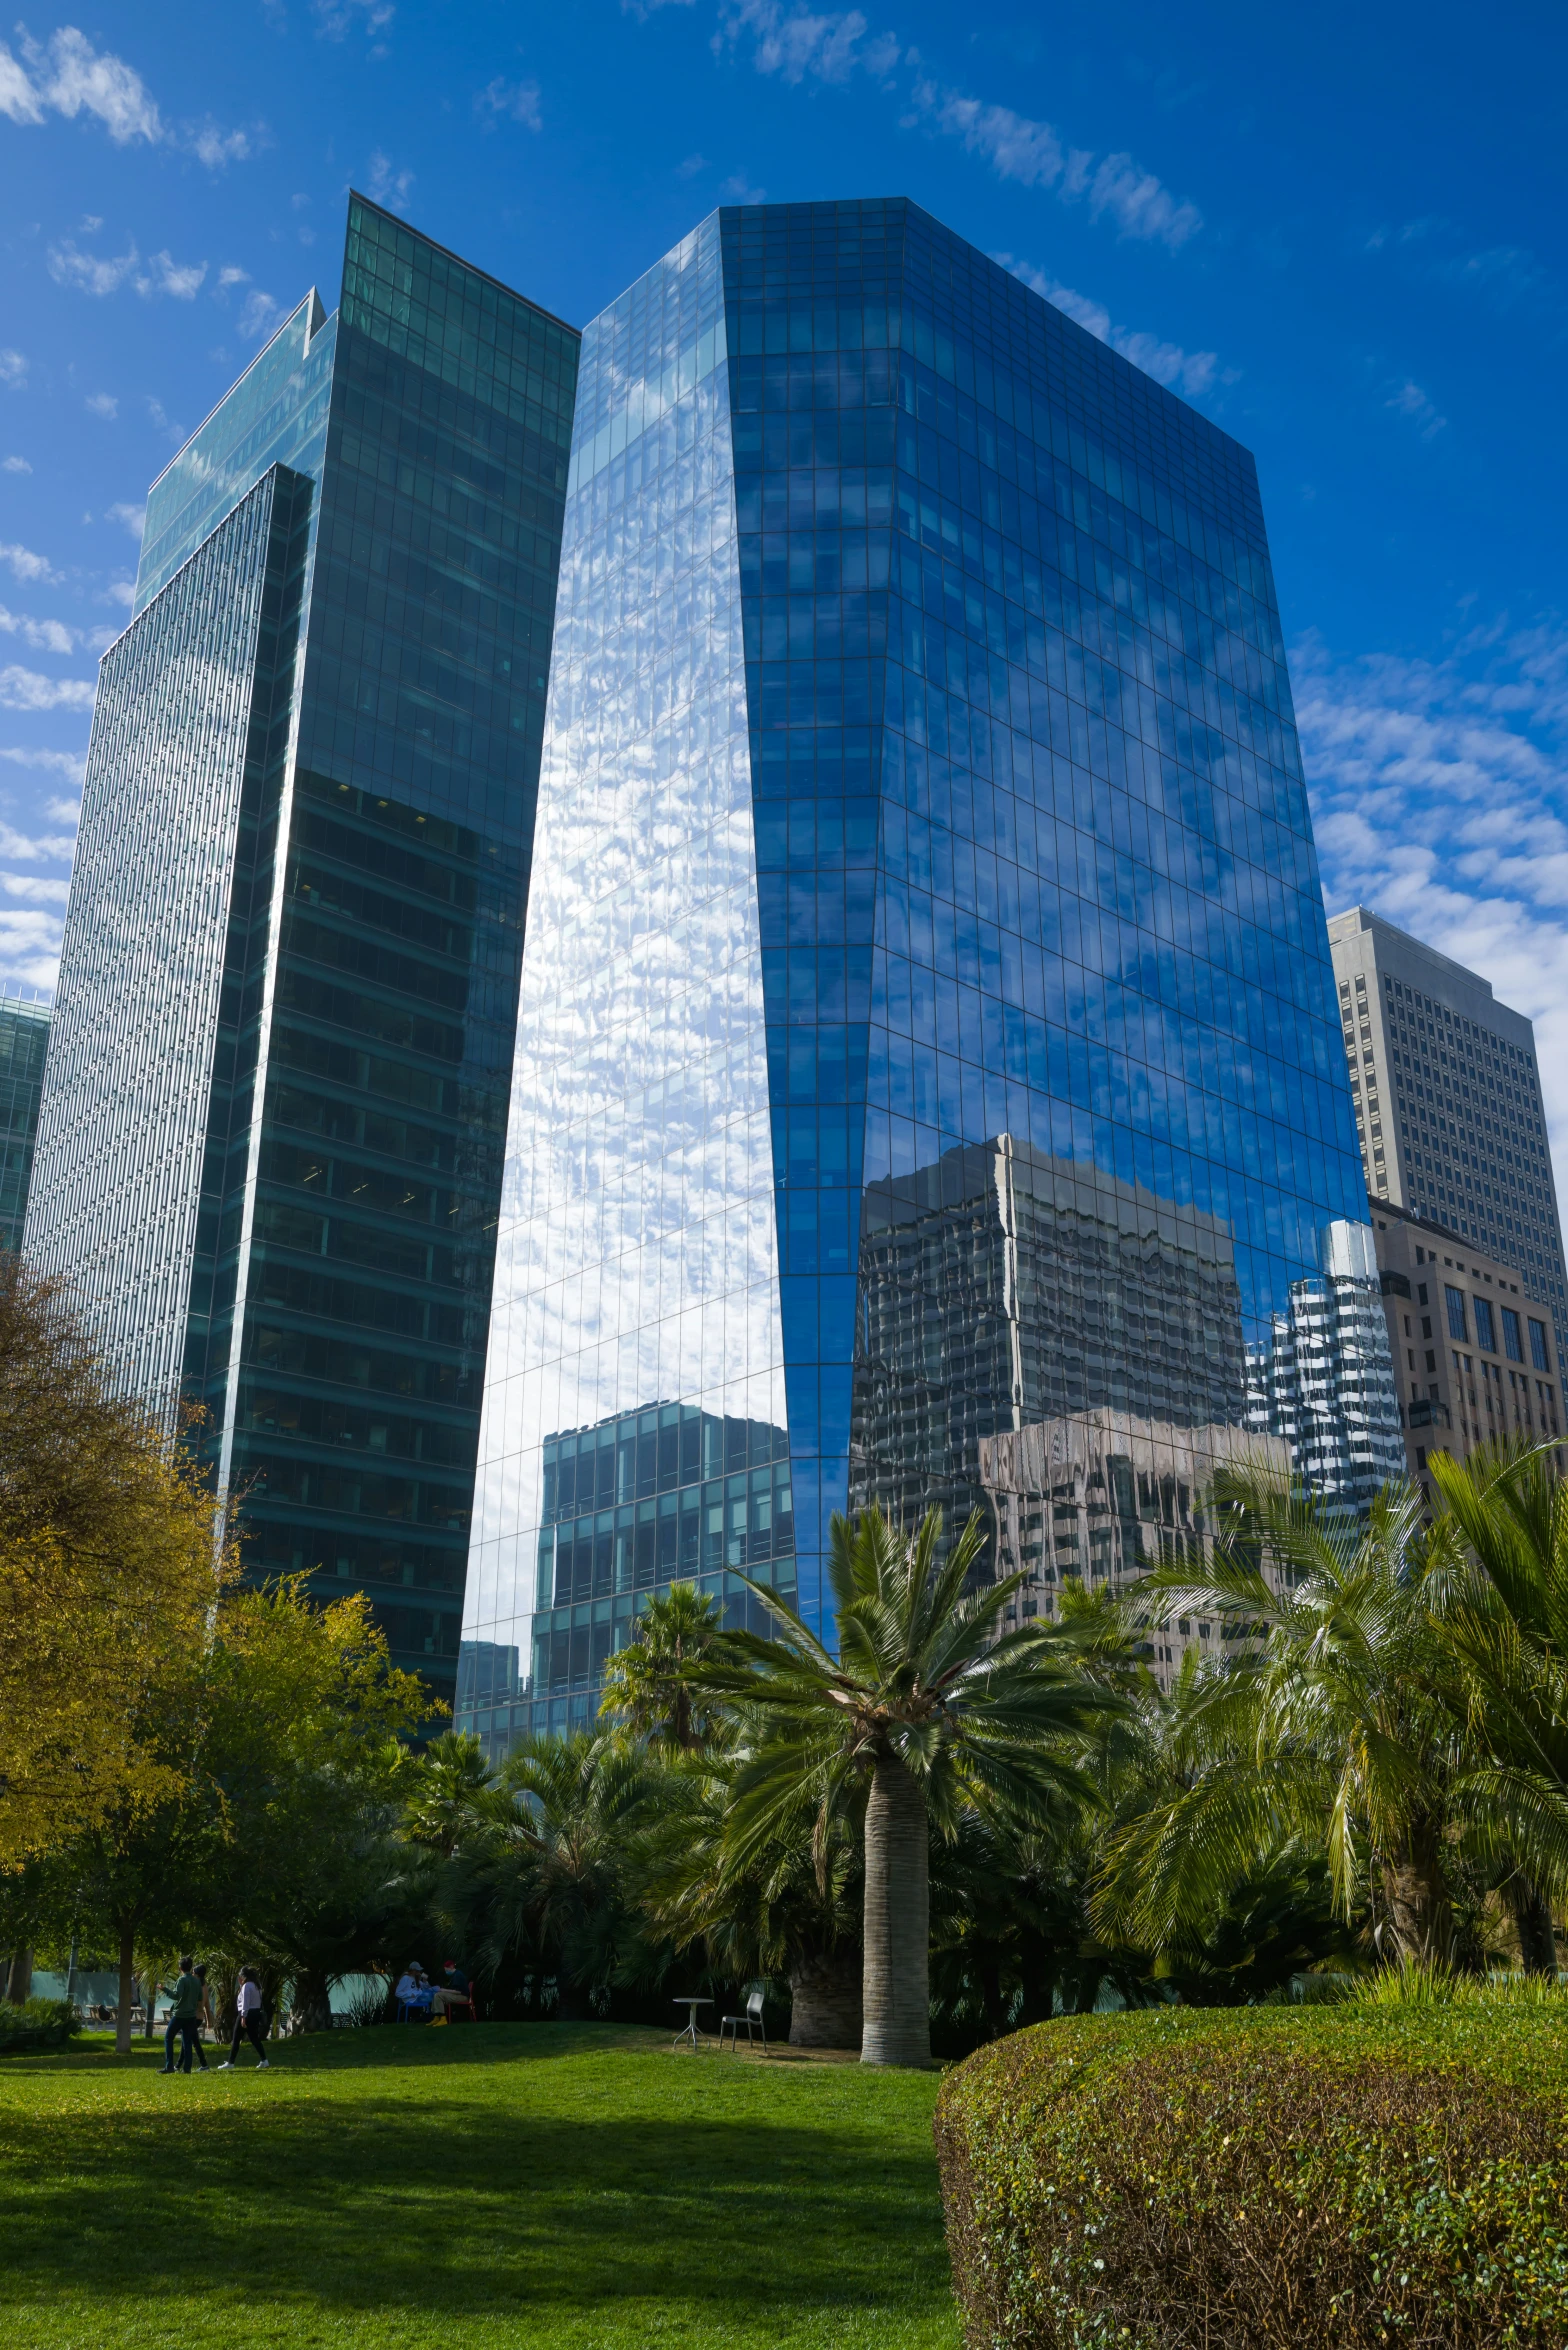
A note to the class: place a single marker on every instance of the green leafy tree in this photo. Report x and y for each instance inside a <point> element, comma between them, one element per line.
<point>925,1710</point>
<point>451,1794</point>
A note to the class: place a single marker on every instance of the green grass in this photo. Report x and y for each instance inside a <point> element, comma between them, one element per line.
<point>546,2187</point>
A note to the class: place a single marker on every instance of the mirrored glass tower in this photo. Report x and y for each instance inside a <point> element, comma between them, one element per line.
<point>269,1149</point>
<point>928,1033</point>
<point>24,1033</point>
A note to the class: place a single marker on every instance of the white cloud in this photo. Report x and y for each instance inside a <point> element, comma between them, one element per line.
<point>70,77</point>
<point>830,46</point>
<point>260,316</point>
<point>133,517</point>
<point>25,689</point>
<point>102,404</point>
<point>1410,400</point>
<point>231,275</point>
<point>216,147</point>
<point>13,370</point>
<point>1440,791</point>
<point>517,100</point>
<point>29,949</point>
<point>737,189</point>
<point>35,888</point>
<point>45,636</point>
<point>1190,372</point>
<point>65,763</point>
<point>25,566</point>
<point>15,465</point>
<point>122,591</point>
<point>387,186</point>
<point>46,848</point>
<point>797,42</point>
<point>96,273</point>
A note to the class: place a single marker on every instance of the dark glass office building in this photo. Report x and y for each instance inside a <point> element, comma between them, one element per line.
<point>24,1033</point>
<point>928,1032</point>
<point>269,1154</point>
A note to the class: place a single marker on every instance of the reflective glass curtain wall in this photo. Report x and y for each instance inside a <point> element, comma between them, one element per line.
<point>1058,1127</point>
<point>24,1033</point>
<point>333,1294</point>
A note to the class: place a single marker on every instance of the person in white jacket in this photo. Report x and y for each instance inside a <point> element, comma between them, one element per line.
<point>247,2023</point>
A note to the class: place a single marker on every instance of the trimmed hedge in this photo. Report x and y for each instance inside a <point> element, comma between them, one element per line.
<point>1263,2179</point>
<point>36,2024</point>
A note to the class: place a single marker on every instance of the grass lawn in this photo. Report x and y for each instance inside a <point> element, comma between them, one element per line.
<point>546,2187</point>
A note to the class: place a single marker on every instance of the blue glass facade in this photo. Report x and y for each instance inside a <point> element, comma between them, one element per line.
<point>328,948</point>
<point>928,1028</point>
<point>24,1033</point>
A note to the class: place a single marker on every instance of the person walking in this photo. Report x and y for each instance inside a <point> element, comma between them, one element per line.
<point>204,2018</point>
<point>247,2023</point>
<point>185,2003</point>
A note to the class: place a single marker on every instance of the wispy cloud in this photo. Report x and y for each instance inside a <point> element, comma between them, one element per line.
<point>133,517</point>
<point>13,371</point>
<point>26,689</point>
<point>799,43</point>
<point>516,101</point>
<point>42,849</point>
<point>1189,372</point>
<point>102,404</point>
<point>1441,797</point>
<point>259,316</point>
<point>25,566</point>
<point>335,19</point>
<point>66,76</point>
<point>45,636</point>
<point>29,949</point>
<point>37,887</point>
<point>387,186</point>
<point>15,465</point>
<point>737,189</point>
<point>55,763</point>
<point>100,274</point>
<point>1408,399</point>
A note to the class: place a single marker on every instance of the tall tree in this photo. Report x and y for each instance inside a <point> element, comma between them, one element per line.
<point>111,1561</point>
<point>653,1686</point>
<point>928,1710</point>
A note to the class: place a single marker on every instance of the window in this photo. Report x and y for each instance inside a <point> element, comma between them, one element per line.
<point>1455,1299</point>
<point>1538,1354</point>
<point>1484,1333</point>
<point>1511,1346</point>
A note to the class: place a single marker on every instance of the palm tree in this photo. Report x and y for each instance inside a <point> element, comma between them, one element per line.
<point>1502,1601</point>
<point>452,1792</point>
<point>922,1710</point>
<point>543,1890</point>
<point>1334,1714</point>
<point>652,1686</point>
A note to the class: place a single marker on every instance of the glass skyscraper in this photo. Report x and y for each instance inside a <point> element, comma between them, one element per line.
<point>928,1031</point>
<point>269,1153</point>
<point>24,1033</point>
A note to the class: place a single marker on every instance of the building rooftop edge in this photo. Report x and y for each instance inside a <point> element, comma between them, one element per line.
<point>1364,918</point>
<point>357,196</point>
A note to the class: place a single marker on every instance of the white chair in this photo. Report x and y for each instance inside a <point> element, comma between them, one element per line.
<point>752,2019</point>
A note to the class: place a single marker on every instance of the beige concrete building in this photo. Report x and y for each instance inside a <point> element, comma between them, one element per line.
<point>1448,1103</point>
<point>1475,1357</point>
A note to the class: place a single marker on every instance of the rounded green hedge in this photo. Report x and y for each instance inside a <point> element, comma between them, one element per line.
<point>1266,2177</point>
<point>38,2024</point>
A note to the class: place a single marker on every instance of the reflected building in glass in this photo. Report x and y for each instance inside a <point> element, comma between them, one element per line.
<point>269,1152</point>
<point>928,1032</point>
<point>24,1034</point>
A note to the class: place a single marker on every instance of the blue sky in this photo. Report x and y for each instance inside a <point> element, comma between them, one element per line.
<point>1339,232</point>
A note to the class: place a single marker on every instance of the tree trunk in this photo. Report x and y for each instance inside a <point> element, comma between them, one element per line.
<point>826,1994</point>
<point>897,1978</point>
<point>19,1978</point>
<point>1532,1916</point>
<point>1419,1908</point>
<point>313,2002</point>
<point>122,2013</point>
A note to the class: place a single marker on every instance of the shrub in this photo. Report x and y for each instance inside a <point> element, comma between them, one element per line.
<point>1262,2179</point>
<point>38,2023</point>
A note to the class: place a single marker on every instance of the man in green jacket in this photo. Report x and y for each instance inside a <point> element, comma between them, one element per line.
<point>184,2017</point>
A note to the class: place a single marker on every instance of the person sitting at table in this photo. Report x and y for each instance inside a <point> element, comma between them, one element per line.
<point>452,1991</point>
<point>413,1988</point>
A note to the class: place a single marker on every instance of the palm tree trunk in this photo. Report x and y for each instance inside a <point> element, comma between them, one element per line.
<point>897,1976</point>
<point>1417,1896</point>
<point>825,2000</point>
<point>1532,1916</point>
